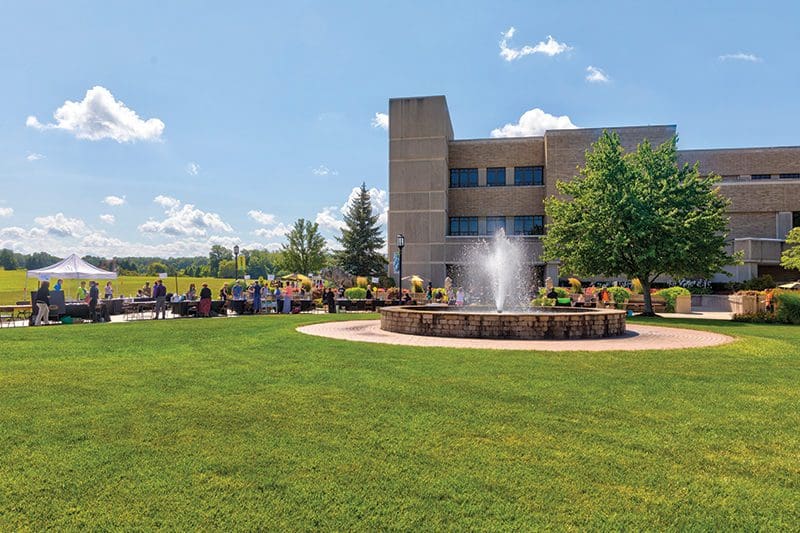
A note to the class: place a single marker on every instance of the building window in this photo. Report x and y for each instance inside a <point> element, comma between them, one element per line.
<point>789,176</point>
<point>529,225</point>
<point>528,176</point>
<point>494,223</point>
<point>761,176</point>
<point>796,219</point>
<point>463,226</point>
<point>463,177</point>
<point>496,177</point>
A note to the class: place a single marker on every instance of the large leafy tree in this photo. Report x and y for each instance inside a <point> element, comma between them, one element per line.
<point>361,238</point>
<point>791,256</point>
<point>7,260</point>
<point>305,250</point>
<point>639,215</point>
<point>215,255</point>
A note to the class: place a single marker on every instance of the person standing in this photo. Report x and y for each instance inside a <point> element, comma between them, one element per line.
<point>160,293</point>
<point>147,290</point>
<point>82,292</point>
<point>331,301</point>
<point>94,295</point>
<point>256,297</point>
<point>204,307</point>
<point>429,292</point>
<point>109,291</point>
<point>57,286</point>
<point>42,300</point>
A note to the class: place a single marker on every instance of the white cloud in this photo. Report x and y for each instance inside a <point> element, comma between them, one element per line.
<point>741,56</point>
<point>167,202</point>
<point>33,156</point>
<point>60,225</point>
<point>550,47</point>
<point>596,75</point>
<point>6,211</point>
<point>279,230</point>
<point>100,116</point>
<point>114,201</point>
<point>193,169</point>
<point>108,219</point>
<point>381,120</point>
<point>532,123</point>
<point>327,219</point>
<point>322,170</point>
<point>330,217</point>
<point>262,217</point>
<point>184,220</point>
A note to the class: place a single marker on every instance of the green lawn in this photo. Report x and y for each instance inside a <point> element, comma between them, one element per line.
<point>245,423</point>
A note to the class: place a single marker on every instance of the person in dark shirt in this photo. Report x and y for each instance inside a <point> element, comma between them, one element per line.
<point>368,296</point>
<point>42,300</point>
<point>204,307</point>
<point>94,295</point>
<point>257,297</point>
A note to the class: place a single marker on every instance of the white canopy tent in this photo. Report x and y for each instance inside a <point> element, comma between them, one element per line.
<point>71,267</point>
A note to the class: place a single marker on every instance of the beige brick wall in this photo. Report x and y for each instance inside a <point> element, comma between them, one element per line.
<point>744,161</point>
<point>757,196</point>
<point>492,201</point>
<point>482,153</point>
<point>760,225</point>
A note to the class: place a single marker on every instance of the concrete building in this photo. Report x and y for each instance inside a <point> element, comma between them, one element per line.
<point>445,193</point>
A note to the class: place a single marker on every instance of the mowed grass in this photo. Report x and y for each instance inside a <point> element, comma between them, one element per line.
<point>245,424</point>
<point>12,285</point>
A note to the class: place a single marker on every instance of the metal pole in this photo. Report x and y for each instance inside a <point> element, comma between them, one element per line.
<point>236,266</point>
<point>401,273</point>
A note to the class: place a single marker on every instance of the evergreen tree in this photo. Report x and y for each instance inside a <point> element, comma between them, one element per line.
<point>305,251</point>
<point>361,239</point>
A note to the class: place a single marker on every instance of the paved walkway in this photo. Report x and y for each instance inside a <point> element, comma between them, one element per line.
<point>638,337</point>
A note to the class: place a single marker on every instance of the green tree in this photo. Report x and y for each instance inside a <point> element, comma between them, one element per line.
<point>361,238</point>
<point>226,269</point>
<point>156,267</point>
<point>791,256</point>
<point>639,215</point>
<point>305,250</point>
<point>215,255</point>
<point>7,261</point>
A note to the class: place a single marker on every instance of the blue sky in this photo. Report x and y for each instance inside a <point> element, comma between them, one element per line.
<point>251,115</point>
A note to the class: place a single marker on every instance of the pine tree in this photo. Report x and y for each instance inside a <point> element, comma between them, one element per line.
<point>361,239</point>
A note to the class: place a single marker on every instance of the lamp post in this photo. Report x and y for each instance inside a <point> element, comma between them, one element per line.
<point>236,261</point>
<point>401,241</point>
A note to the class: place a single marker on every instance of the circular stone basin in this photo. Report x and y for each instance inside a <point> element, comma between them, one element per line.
<point>484,323</point>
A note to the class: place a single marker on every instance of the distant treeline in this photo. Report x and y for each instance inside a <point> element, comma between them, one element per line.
<point>218,263</point>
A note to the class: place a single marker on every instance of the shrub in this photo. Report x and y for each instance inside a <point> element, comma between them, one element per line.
<point>362,281</point>
<point>542,300</point>
<point>392,293</point>
<point>756,284</point>
<point>416,284</point>
<point>562,292</point>
<point>576,285</point>
<point>761,317</point>
<point>620,295</point>
<point>636,286</point>
<point>355,293</point>
<point>787,308</point>
<point>670,296</point>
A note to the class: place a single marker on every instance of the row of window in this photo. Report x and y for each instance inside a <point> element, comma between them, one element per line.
<point>794,176</point>
<point>496,176</point>
<point>523,225</point>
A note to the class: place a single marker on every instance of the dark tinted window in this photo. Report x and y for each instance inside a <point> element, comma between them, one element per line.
<point>528,176</point>
<point>761,176</point>
<point>496,177</point>
<point>463,225</point>
<point>529,225</point>
<point>494,223</point>
<point>790,176</point>
<point>463,177</point>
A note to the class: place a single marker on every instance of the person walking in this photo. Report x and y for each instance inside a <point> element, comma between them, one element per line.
<point>42,300</point>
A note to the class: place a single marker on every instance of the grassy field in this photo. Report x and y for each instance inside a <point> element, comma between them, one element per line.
<point>246,424</point>
<point>12,285</point>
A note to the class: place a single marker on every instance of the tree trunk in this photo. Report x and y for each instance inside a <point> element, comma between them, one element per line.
<point>648,300</point>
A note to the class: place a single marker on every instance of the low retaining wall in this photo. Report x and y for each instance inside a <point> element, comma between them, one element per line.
<point>562,324</point>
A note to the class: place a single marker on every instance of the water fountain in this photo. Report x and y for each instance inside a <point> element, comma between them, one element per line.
<point>500,265</point>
